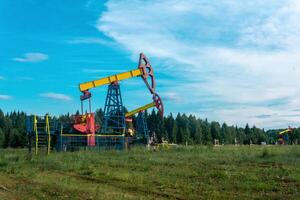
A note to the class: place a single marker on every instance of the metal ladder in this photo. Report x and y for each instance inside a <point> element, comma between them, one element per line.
<point>42,134</point>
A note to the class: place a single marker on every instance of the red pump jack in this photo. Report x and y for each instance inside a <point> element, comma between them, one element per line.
<point>85,123</point>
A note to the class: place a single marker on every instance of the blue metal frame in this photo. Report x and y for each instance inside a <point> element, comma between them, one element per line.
<point>114,112</point>
<point>141,127</point>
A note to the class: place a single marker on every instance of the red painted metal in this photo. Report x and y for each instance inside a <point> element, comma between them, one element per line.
<point>86,125</point>
<point>159,104</point>
<point>85,95</point>
<point>128,119</point>
<point>147,69</point>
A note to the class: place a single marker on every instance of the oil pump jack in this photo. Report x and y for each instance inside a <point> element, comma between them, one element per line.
<point>115,118</point>
<point>283,136</point>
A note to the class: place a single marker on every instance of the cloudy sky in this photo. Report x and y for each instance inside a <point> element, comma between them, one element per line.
<point>235,61</point>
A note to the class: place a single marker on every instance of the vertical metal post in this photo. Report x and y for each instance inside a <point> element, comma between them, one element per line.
<point>36,134</point>
<point>48,133</point>
<point>90,106</point>
<point>61,137</point>
<point>141,127</point>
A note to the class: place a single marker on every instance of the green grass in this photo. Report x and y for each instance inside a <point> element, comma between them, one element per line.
<point>194,172</point>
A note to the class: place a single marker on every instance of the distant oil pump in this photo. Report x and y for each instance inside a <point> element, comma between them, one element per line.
<point>283,136</point>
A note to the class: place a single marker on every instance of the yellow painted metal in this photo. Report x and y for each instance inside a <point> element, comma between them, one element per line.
<point>145,107</point>
<point>103,135</point>
<point>61,130</point>
<point>48,133</point>
<point>285,131</point>
<point>36,134</point>
<point>110,79</point>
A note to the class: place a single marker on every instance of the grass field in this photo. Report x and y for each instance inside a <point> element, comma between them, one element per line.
<point>195,172</point>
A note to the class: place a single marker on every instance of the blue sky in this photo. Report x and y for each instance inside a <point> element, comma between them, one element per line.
<point>232,61</point>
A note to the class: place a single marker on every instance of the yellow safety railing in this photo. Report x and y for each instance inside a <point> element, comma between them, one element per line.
<point>36,134</point>
<point>48,133</point>
<point>47,130</point>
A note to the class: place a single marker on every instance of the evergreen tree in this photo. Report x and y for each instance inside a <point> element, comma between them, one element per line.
<point>207,137</point>
<point>224,134</point>
<point>15,138</point>
<point>241,136</point>
<point>180,130</point>
<point>215,130</point>
<point>198,138</point>
<point>248,134</point>
<point>2,138</point>
<point>174,133</point>
<point>169,123</point>
<point>99,116</point>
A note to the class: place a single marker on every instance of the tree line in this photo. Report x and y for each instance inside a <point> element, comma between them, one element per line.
<point>179,129</point>
<point>188,129</point>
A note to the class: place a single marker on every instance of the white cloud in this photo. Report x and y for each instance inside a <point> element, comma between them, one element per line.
<point>172,96</point>
<point>32,57</point>
<point>281,29</point>
<point>5,97</point>
<point>56,96</point>
<point>245,54</point>
<point>270,119</point>
<point>88,41</point>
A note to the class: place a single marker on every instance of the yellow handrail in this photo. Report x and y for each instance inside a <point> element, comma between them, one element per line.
<point>48,132</point>
<point>36,134</point>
